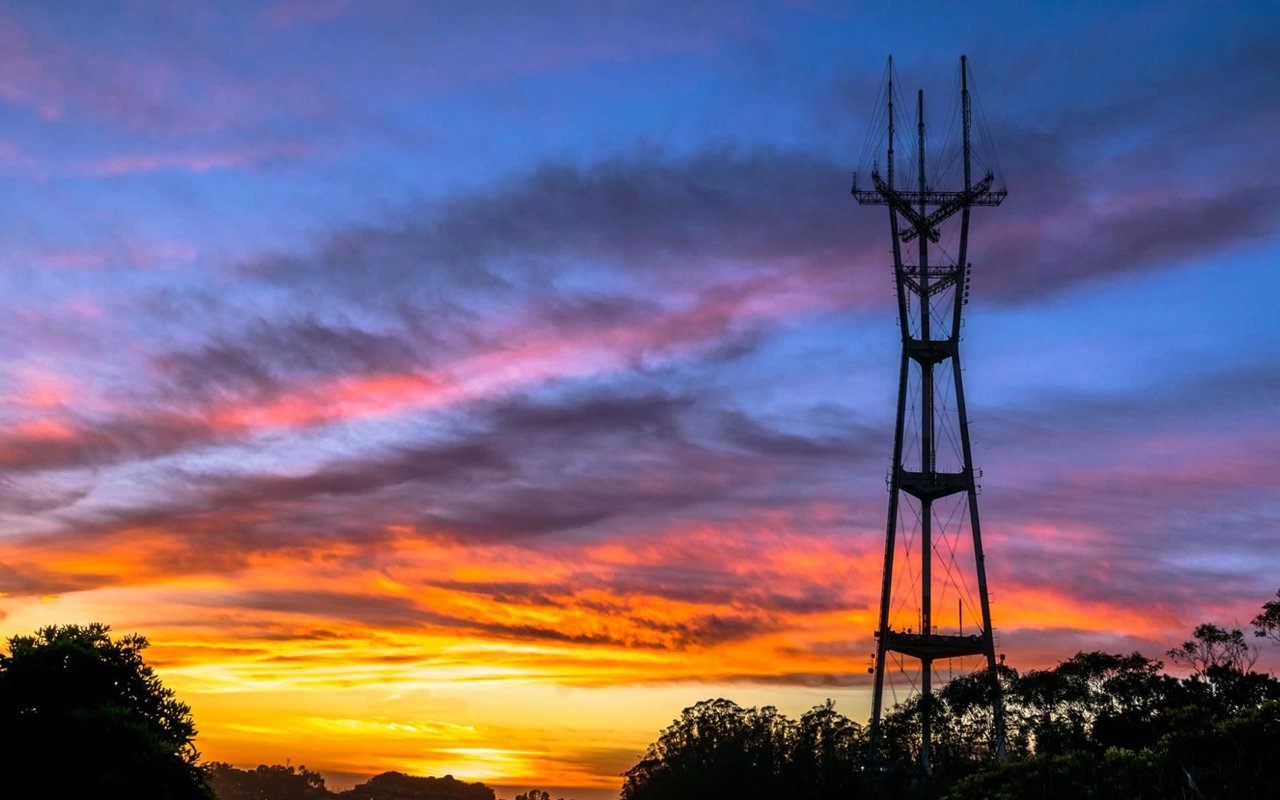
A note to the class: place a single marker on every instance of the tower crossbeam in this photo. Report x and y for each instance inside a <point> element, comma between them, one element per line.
<point>870,197</point>
<point>946,277</point>
<point>948,203</point>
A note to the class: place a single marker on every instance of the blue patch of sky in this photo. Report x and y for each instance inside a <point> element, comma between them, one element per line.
<point>1144,333</point>
<point>840,360</point>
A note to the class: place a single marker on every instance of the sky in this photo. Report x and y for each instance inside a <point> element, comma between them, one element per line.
<point>469,387</point>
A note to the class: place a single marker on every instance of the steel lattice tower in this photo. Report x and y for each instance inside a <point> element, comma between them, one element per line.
<point>931,405</point>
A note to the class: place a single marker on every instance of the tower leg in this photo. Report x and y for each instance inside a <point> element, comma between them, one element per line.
<point>980,566</point>
<point>926,716</point>
<point>886,587</point>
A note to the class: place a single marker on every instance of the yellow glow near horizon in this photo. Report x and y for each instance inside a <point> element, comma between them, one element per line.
<point>499,663</point>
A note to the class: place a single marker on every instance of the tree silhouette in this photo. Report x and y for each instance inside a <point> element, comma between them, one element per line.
<point>719,749</point>
<point>82,715</point>
<point>266,783</point>
<point>535,794</point>
<point>826,751</point>
<point>1108,726</point>
<point>1089,702</point>
<point>1267,624</point>
<point>967,734</point>
<point>1213,646</point>
<point>1098,725</point>
<point>715,749</point>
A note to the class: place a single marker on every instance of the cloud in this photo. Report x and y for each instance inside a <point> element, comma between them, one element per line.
<point>1085,241</point>
<point>769,221</point>
<point>382,612</point>
<point>723,217</point>
<point>96,443</point>
<point>609,464</point>
<point>265,358</point>
<point>434,466</point>
<point>855,441</point>
<point>30,580</point>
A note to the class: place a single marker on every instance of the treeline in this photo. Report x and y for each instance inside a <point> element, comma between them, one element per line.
<point>1098,725</point>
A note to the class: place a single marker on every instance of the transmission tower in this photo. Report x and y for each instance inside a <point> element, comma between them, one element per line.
<point>930,486</point>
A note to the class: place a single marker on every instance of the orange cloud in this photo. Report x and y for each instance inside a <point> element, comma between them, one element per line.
<point>355,657</point>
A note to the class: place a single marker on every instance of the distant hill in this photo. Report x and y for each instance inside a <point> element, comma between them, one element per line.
<point>299,783</point>
<point>398,786</point>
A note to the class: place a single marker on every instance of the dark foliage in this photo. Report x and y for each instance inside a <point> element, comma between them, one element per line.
<point>1089,703</point>
<point>1199,758</point>
<point>1267,623</point>
<point>1211,646</point>
<point>1098,725</point>
<point>719,749</point>
<point>820,751</point>
<point>266,783</point>
<point>81,715</point>
<point>535,794</point>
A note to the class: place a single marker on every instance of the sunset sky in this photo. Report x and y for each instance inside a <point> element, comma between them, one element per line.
<point>467,388</point>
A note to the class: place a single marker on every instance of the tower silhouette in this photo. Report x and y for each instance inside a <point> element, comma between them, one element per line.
<point>932,479</point>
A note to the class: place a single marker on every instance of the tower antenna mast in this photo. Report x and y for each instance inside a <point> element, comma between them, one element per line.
<point>926,292</point>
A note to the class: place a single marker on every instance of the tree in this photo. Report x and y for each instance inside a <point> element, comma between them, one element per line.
<point>1267,624</point>
<point>1115,775</point>
<point>275,782</point>
<point>1234,757</point>
<point>966,732</point>
<point>82,715</point>
<point>827,750</point>
<point>1212,646</point>
<point>1091,701</point>
<point>1133,697</point>
<point>715,749</point>
<point>535,794</point>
